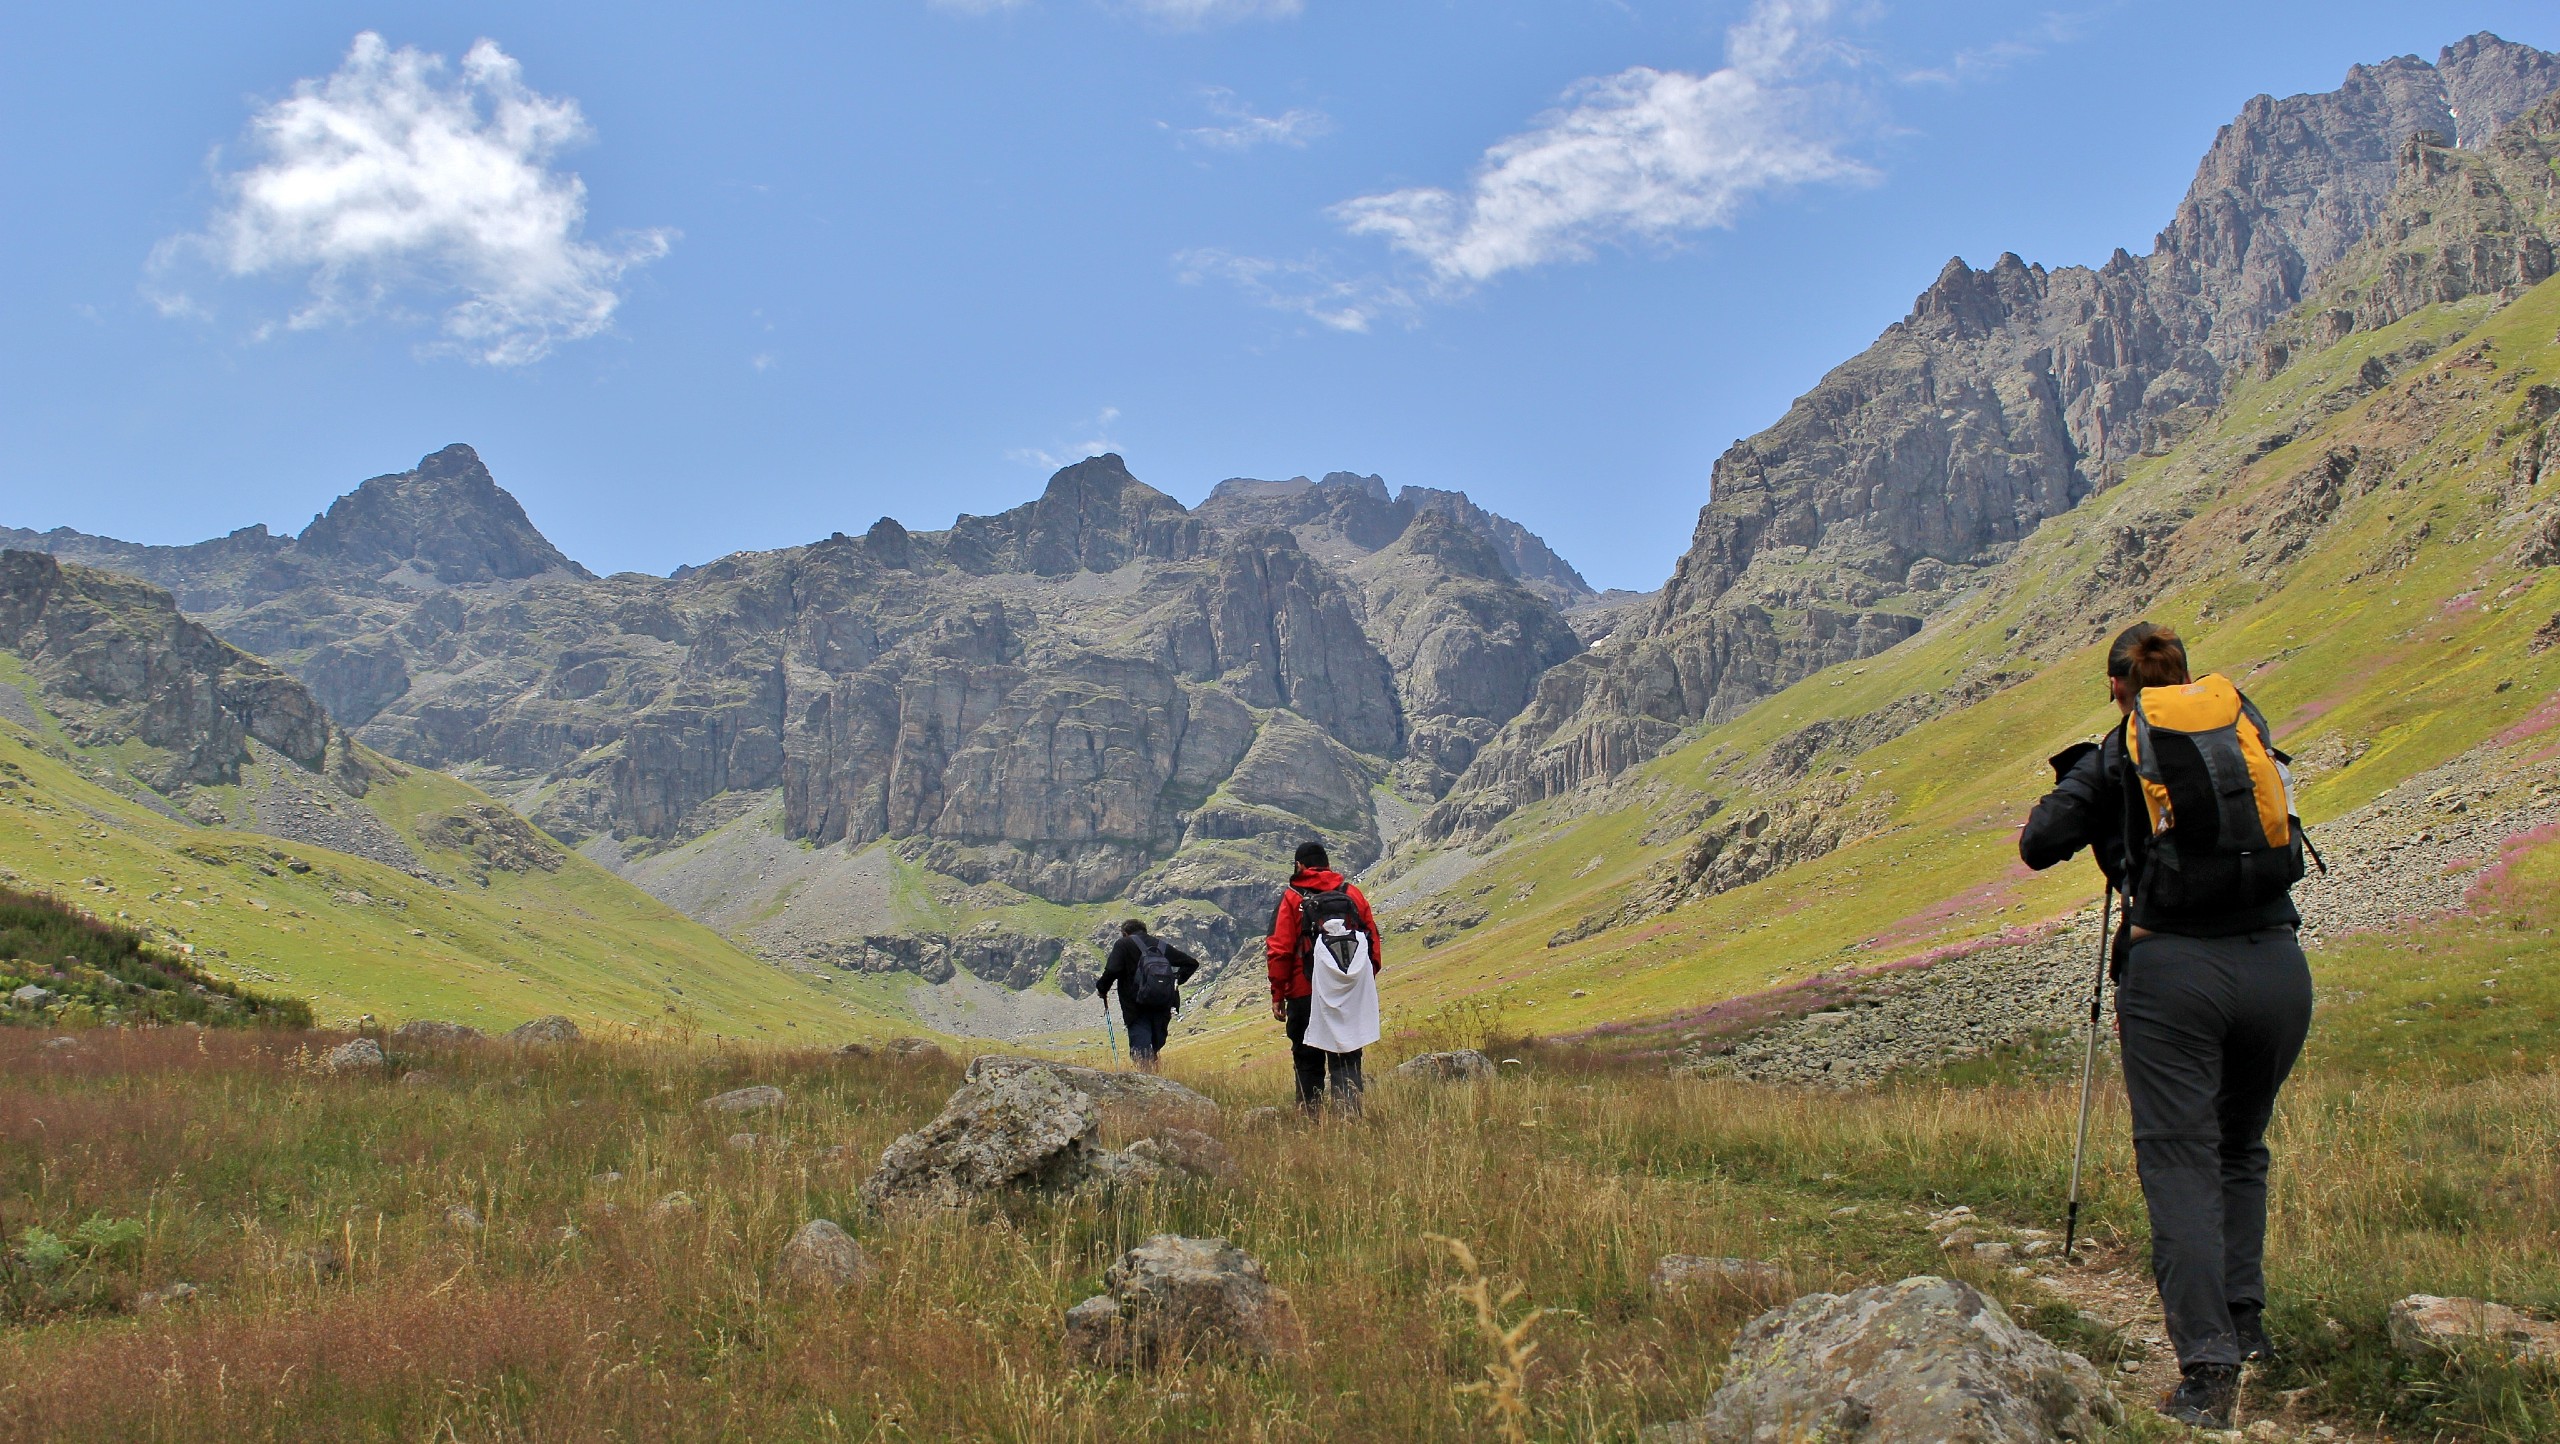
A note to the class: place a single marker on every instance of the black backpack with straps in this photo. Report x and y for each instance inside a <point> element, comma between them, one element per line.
<point>1152,983</point>
<point>1315,909</point>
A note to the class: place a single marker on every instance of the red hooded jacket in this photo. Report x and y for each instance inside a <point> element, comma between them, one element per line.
<point>1287,952</point>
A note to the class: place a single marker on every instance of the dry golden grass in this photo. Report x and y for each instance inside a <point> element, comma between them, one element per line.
<point>339,1301</point>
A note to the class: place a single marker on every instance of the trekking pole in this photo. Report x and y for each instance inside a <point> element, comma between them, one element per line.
<point>1107,1035</point>
<point>2088,1069</point>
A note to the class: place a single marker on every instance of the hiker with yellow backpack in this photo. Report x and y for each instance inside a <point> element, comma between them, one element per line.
<point>2188,808</point>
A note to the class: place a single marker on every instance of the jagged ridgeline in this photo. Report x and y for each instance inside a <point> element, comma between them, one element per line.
<point>923,752</point>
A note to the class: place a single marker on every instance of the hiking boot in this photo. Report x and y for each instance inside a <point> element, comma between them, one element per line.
<point>2204,1396</point>
<point>2250,1327</point>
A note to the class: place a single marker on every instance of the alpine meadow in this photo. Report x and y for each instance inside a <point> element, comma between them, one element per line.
<point>453,993</point>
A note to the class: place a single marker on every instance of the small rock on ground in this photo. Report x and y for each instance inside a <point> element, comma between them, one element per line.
<point>361,1055</point>
<point>1022,1131</point>
<point>553,1029</point>
<point>2424,1325</point>
<point>1110,1089</point>
<point>678,1204</point>
<point>1926,1358</point>
<point>746,1100</point>
<point>434,1031</point>
<point>822,1258</point>
<point>1682,1273</point>
<point>1173,1297</point>
<point>1456,1065</point>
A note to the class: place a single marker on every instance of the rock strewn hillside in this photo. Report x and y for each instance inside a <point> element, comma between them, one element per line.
<point>2007,396</point>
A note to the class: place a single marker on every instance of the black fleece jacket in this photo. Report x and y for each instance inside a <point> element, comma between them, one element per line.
<point>1121,967</point>
<point>2090,806</point>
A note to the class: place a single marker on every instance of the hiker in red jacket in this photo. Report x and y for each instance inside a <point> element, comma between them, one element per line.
<point>1320,906</point>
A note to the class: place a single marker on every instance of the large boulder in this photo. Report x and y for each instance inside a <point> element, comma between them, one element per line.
<point>1455,1066</point>
<point>1148,1091</point>
<point>1926,1358</point>
<point>1021,1131</point>
<point>2424,1326</point>
<point>1173,1297</point>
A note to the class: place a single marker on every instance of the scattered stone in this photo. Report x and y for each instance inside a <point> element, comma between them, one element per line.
<point>1579,993</point>
<point>1111,1090</point>
<point>2424,1325</point>
<point>1455,1066</point>
<point>1264,1116</point>
<point>1188,1149</point>
<point>1681,1273</point>
<point>553,1029</point>
<point>166,1295</point>
<point>361,1055</point>
<point>56,1045</point>
<point>32,996</point>
<point>464,1217</point>
<point>678,1204</point>
<point>435,1033</point>
<point>822,1258</point>
<point>742,1142</point>
<point>418,1078</point>
<point>1026,1130</point>
<point>746,1100</point>
<point>855,1050</point>
<point>1178,1298</point>
<point>917,1050</point>
<point>1926,1358</point>
<point>1993,1252</point>
<point>606,1179</point>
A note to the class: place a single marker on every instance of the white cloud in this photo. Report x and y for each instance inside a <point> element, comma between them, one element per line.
<point>1196,14</point>
<point>391,185</point>
<point>1642,155</point>
<point>1051,458</point>
<point>1239,128</point>
<point>2051,29</point>
<point>1312,289</point>
<point>1171,14</point>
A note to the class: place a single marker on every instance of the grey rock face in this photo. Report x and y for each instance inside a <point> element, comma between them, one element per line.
<point>746,1100</point>
<point>1456,1066</point>
<point>822,1258</point>
<point>1025,1132</point>
<point>2006,396</point>
<point>547,1030</point>
<point>1927,1358</point>
<point>116,661</point>
<point>31,996</point>
<point>1176,1298</point>
<point>447,520</point>
<point>1151,1092</point>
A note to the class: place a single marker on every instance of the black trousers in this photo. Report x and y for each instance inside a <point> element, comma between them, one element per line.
<point>1147,1027</point>
<point>1320,1072</point>
<point>2210,1027</point>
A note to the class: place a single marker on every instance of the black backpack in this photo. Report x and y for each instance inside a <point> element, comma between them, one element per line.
<point>1152,983</point>
<point>1316,908</point>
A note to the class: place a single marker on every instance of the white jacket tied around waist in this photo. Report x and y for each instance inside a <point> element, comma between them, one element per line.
<point>1342,1008</point>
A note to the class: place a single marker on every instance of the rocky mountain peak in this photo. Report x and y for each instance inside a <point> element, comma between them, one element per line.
<point>1093,516</point>
<point>2489,81</point>
<point>447,520</point>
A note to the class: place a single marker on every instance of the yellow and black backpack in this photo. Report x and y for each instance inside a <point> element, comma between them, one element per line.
<point>2216,798</point>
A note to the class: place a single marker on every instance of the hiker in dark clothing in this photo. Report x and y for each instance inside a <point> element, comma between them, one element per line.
<point>1339,911</point>
<point>1149,973</point>
<point>2213,1000</point>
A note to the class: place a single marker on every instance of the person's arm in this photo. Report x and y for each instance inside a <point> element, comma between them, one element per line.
<point>1114,968</point>
<point>1184,965</point>
<point>1280,950</point>
<point>2068,818</point>
<point>1369,921</point>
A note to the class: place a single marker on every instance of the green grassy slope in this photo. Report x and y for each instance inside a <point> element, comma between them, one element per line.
<point>355,937</point>
<point>2403,627</point>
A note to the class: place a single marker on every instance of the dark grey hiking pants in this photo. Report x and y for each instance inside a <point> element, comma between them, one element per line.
<point>1321,1074</point>
<point>2210,1028</point>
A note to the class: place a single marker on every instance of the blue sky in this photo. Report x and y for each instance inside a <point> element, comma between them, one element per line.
<point>696,280</point>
